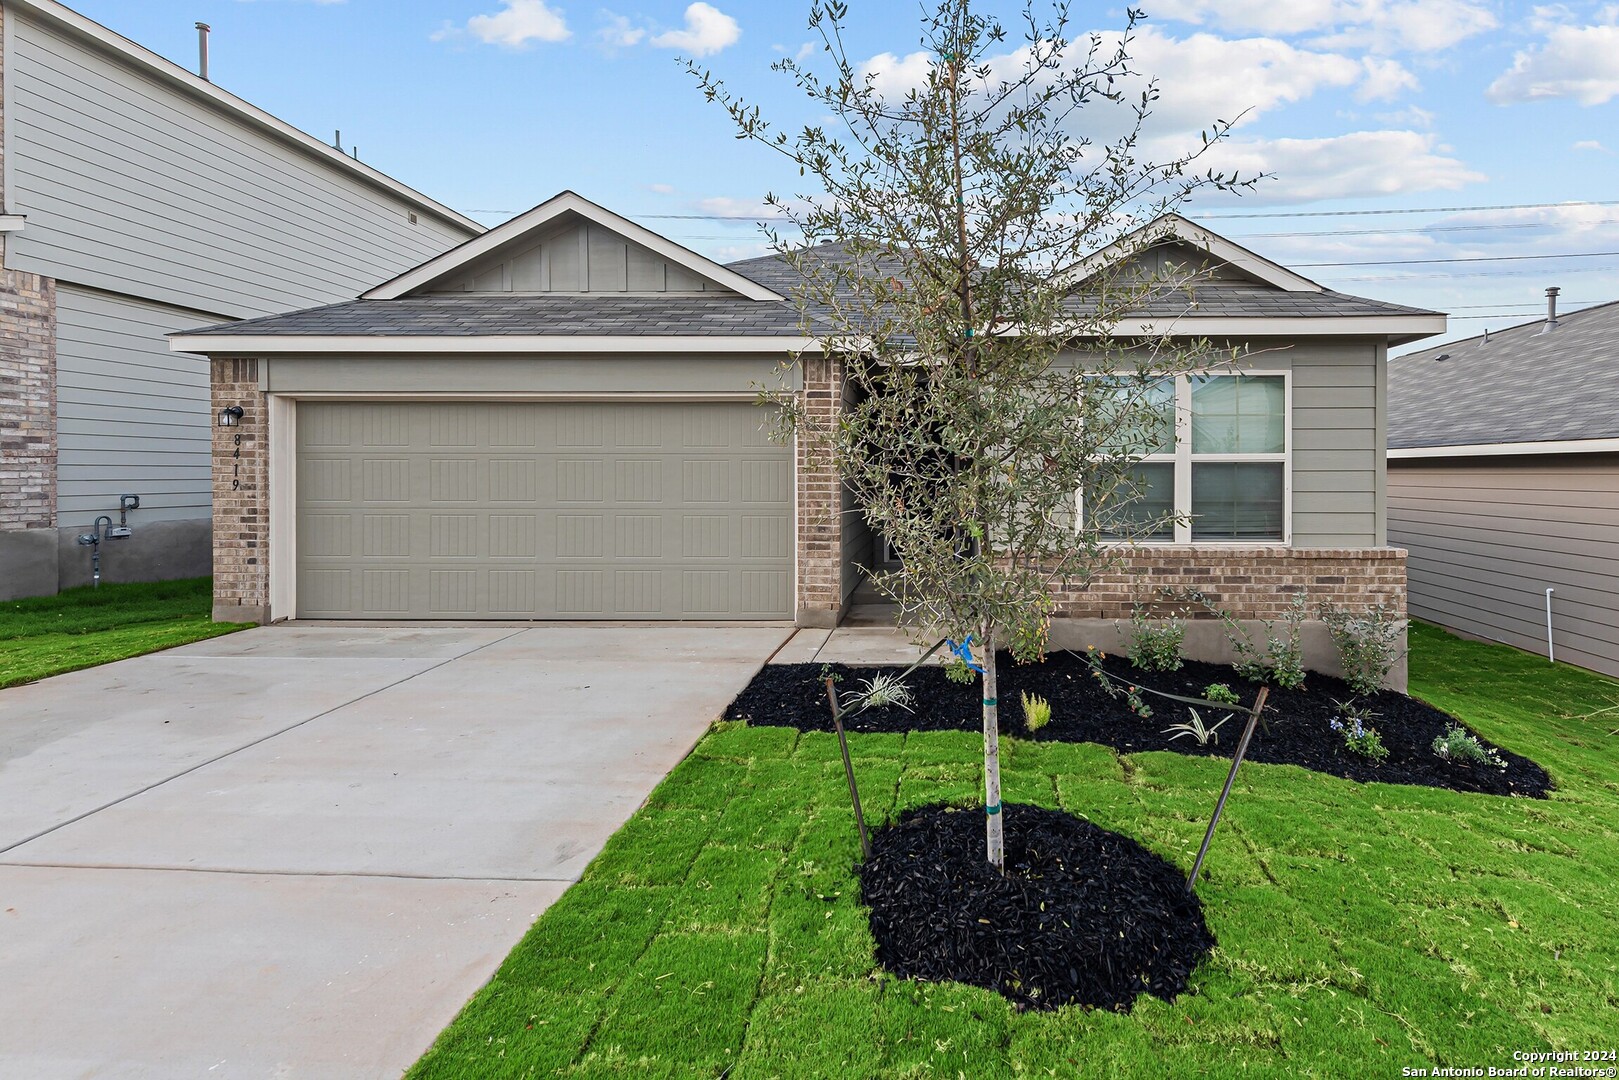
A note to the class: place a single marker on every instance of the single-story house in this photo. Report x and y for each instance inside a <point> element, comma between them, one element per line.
<point>1504,484</point>
<point>557,420</point>
<point>138,198</point>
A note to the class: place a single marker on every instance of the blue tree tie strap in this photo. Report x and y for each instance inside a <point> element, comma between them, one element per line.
<point>989,703</point>
<point>964,651</point>
<point>992,810</point>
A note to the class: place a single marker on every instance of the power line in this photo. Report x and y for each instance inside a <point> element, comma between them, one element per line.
<point>1420,210</point>
<point>1486,273</point>
<point>1468,259</point>
<point>1265,214</point>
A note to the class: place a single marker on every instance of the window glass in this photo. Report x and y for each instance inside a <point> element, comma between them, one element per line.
<point>1237,500</point>
<point>1151,403</point>
<point>1239,414</point>
<point>1142,506</point>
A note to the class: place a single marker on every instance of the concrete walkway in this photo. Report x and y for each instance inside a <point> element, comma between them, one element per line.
<point>295,852</point>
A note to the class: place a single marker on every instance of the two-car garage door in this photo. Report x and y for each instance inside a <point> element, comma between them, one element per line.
<point>541,510</point>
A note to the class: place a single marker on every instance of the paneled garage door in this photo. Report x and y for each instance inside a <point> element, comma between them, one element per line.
<point>435,510</point>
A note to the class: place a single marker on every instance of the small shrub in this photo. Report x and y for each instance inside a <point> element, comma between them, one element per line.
<point>1281,661</point>
<point>1354,724</point>
<point>1036,711</point>
<point>1285,653</point>
<point>1132,698</point>
<point>1196,729</point>
<point>1461,747</point>
<point>1222,693</point>
<point>882,691</point>
<point>957,671</point>
<point>1155,646</point>
<point>1368,643</point>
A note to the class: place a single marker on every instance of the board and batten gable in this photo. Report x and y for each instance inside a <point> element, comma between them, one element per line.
<point>1488,536</point>
<point>133,187</point>
<point>578,256</point>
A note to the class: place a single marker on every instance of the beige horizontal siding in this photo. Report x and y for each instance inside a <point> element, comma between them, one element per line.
<point>1488,537</point>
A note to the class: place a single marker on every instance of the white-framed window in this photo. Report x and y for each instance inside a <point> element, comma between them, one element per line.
<point>1218,459</point>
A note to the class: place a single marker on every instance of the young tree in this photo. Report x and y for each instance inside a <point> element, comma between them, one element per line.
<point>947,257</point>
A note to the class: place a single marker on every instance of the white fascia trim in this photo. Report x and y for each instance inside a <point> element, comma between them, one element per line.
<point>12,222</point>
<point>1565,446</point>
<point>198,87</point>
<point>1175,227</point>
<point>550,210</point>
<point>286,344</point>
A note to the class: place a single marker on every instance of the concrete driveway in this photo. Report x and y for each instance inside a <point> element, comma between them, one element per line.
<point>295,852</point>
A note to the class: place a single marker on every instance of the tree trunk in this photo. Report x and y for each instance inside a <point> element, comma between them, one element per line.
<point>994,845</point>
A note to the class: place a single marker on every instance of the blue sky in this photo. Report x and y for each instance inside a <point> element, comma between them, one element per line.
<point>1356,105</point>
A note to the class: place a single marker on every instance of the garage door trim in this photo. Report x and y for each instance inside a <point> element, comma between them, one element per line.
<point>282,432</point>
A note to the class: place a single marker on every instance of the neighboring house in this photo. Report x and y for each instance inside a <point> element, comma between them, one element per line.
<point>140,199</point>
<point>1504,483</point>
<point>557,420</point>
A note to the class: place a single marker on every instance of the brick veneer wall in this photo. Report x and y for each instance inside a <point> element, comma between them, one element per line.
<point>241,496</point>
<point>820,500</point>
<point>1246,582</point>
<point>27,401</point>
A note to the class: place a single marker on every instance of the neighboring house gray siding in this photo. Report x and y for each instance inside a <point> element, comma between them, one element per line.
<point>131,416</point>
<point>1488,536</point>
<point>155,203</point>
<point>132,187</point>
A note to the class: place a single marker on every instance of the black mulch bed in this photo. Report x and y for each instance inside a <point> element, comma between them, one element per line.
<point>792,695</point>
<point>1082,916</point>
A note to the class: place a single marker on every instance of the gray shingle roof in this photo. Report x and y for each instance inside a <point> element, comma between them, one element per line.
<point>1257,301</point>
<point>595,314</point>
<point>551,314</point>
<point>1523,384</point>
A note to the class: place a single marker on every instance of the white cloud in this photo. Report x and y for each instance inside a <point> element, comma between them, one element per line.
<point>1201,77</point>
<point>661,189</point>
<point>1579,62</point>
<point>1412,116</point>
<point>1385,80</point>
<point>515,26</point>
<point>1362,164</point>
<point>617,32</point>
<point>1381,25</point>
<point>707,31</point>
<point>1591,144</point>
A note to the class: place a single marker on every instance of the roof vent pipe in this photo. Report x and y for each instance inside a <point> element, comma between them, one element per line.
<point>202,49</point>
<point>1551,306</point>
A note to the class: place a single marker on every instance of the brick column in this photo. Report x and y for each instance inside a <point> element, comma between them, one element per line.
<point>27,401</point>
<point>820,498</point>
<point>241,495</point>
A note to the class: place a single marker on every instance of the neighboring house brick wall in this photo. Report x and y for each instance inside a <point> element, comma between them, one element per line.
<point>820,501</point>
<point>27,401</point>
<point>241,496</point>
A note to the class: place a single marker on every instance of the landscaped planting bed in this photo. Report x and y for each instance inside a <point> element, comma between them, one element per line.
<point>1297,729</point>
<point>1362,928</point>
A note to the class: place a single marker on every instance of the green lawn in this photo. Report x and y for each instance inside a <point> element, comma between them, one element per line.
<point>1362,928</point>
<point>80,628</point>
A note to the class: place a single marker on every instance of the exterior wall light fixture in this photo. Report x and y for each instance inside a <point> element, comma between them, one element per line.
<point>230,416</point>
